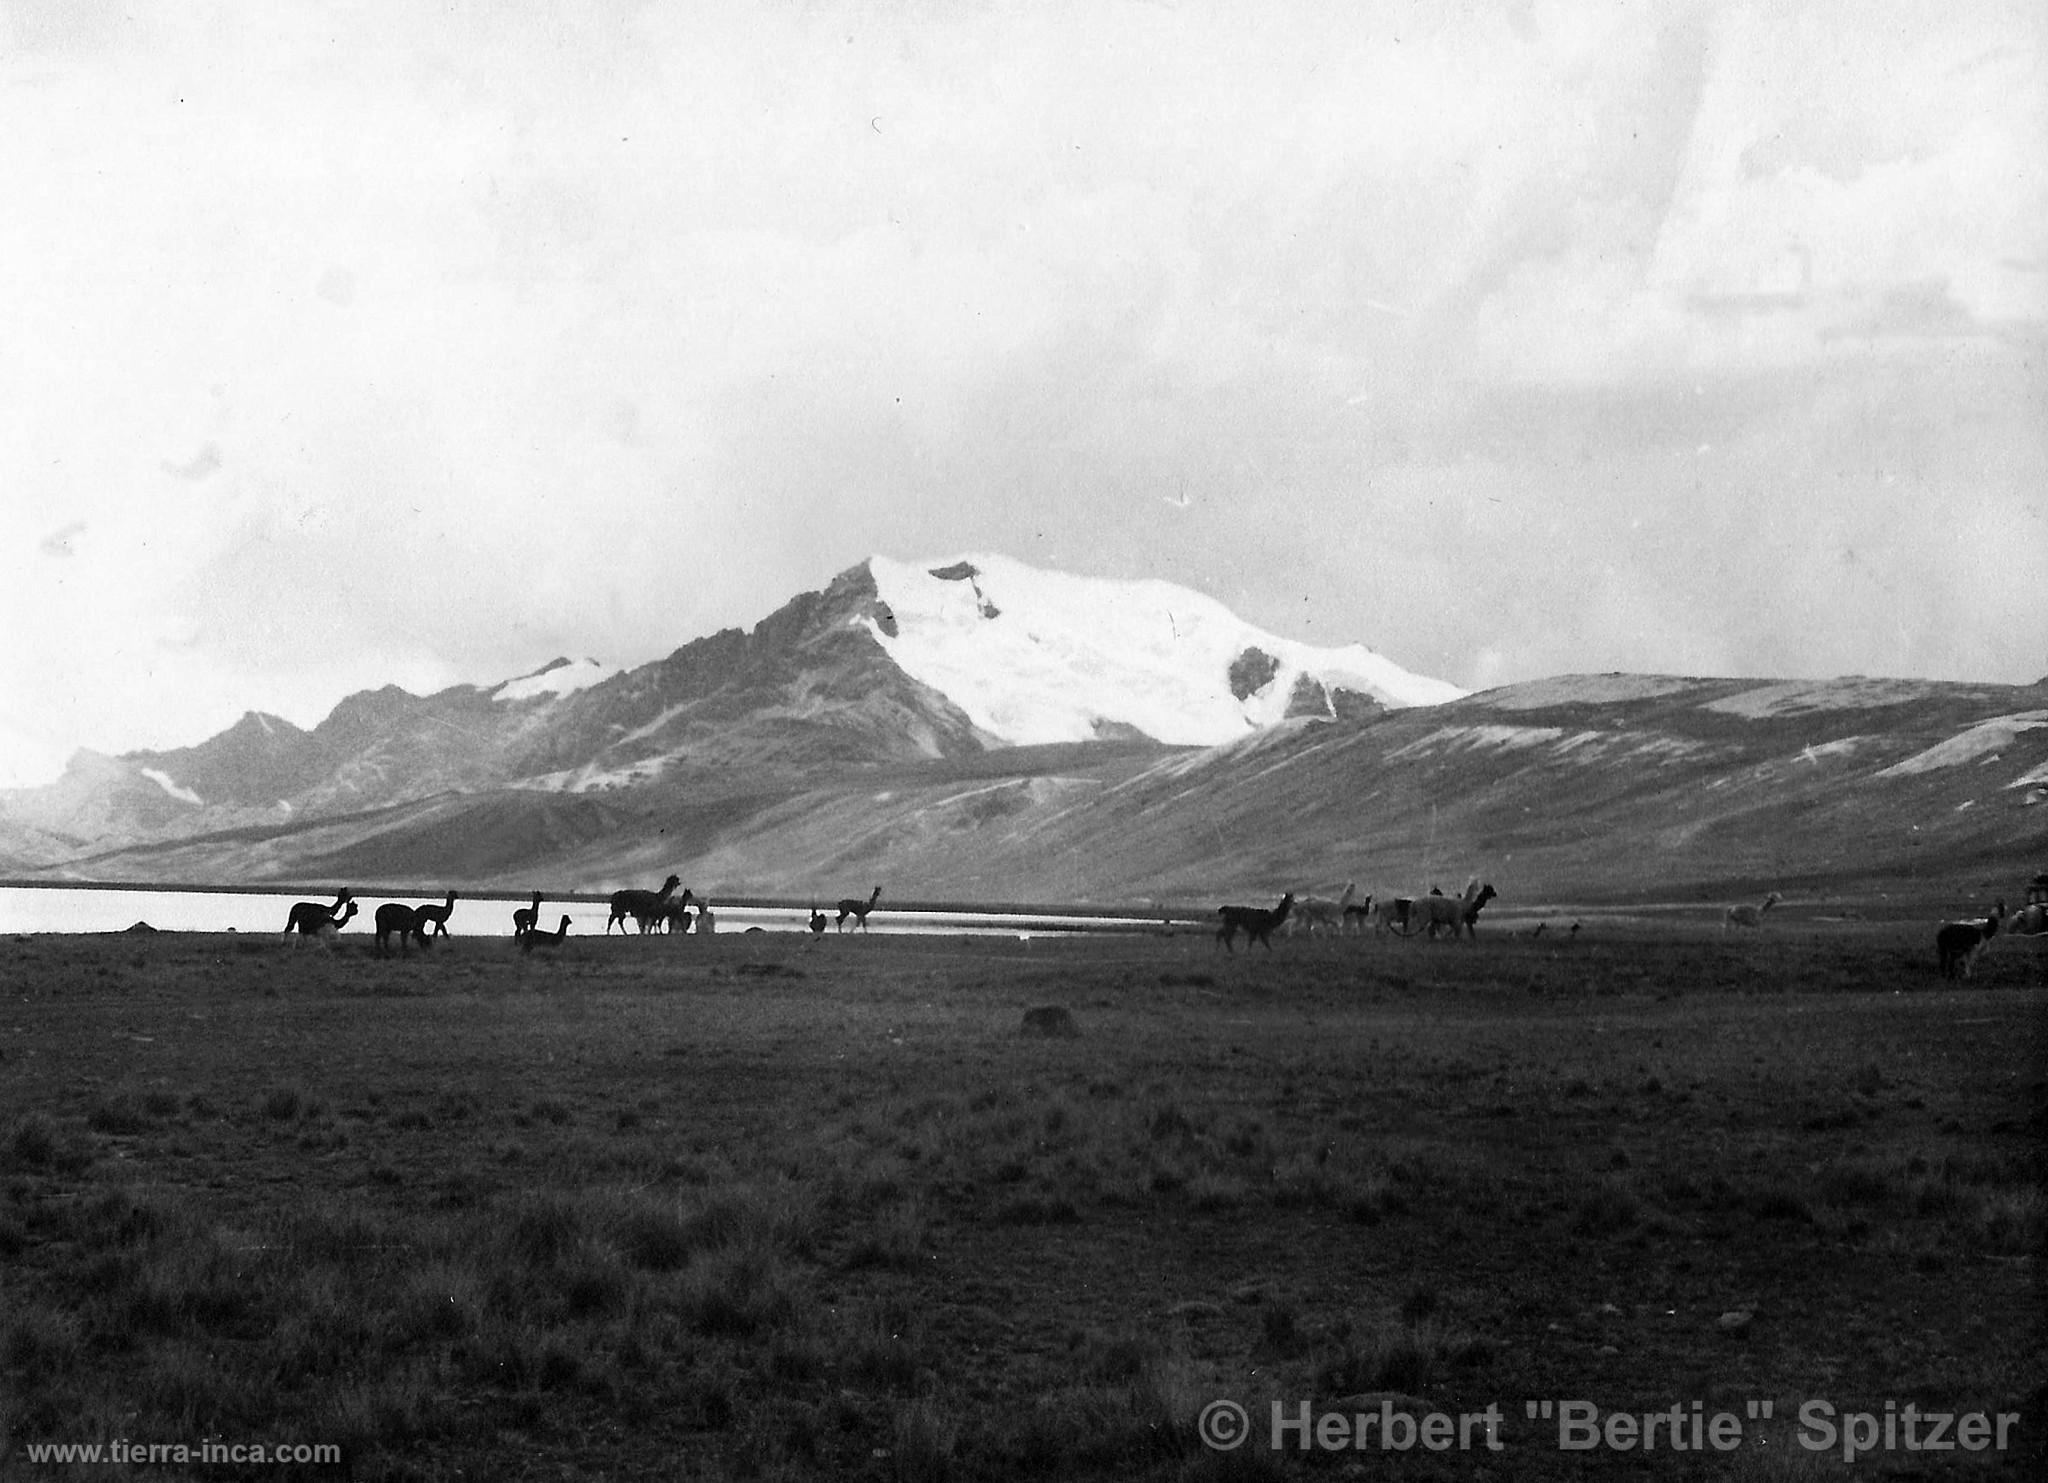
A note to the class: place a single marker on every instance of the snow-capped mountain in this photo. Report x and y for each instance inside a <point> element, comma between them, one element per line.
<point>893,663</point>
<point>1035,656</point>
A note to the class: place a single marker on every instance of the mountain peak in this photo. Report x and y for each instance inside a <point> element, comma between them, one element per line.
<point>1034,656</point>
<point>559,676</point>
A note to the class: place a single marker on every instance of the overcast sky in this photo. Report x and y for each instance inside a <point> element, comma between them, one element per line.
<point>350,344</point>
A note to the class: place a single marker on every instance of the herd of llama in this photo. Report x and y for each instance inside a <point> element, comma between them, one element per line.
<point>1959,944</point>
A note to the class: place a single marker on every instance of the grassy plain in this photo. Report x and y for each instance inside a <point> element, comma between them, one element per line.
<point>755,1207</point>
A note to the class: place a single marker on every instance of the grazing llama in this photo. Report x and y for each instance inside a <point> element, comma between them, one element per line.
<point>321,924</point>
<point>1746,915</point>
<point>1321,911</point>
<point>1256,922</point>
<point>435,916</point>
<point>850,906</point>
<point>1958,945</point>
<point>526,918</point>
<point>642,906</point>
<point>306,918</point>
<point>403,920</point>
<point>533,937</point>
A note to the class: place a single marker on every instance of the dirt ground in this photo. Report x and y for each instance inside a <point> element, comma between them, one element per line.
<point>753,1206</point>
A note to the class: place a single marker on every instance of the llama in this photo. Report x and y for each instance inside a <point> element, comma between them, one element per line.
<point>321,924</point>
<point>435,916</point>
<point>853,907</point>
<point>642,906</point>
<point>326,931</point>
<point>1320,911</point>
<point>1358,915</point>
<point>706,922</point>
<point>1256,922</point>
<point>533,937</point>
<point>1958,945</point>
<point>308,917</point>
<point>1391,915</point>
<point>526,918</point>
<point>817,922</point>
<point>677,913</point>
<point>1749,916</point>
<point>1450,913</point>
<point>1486,894</point>
<point>403,920</point>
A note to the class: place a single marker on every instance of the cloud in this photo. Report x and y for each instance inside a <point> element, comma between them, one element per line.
<point>495,332</point>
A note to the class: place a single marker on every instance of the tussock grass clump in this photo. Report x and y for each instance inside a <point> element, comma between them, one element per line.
<point>1408,1357</point>
<point>44,1340</point>
<point>1210,1192</point>
<point>893,1239</point>
<point>1607,1209</point>
<point>885,1348</point>
<point>925,1436</point>
<point>2005,1222</point>
<point>739,1292</point>
<point>289,1103</point>
<point>1143,1417</point>
<point>1854,1182</point>
<point>128,1113</point>
<point>35,1141</point>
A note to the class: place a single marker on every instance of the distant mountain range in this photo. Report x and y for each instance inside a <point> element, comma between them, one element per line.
<point>972,729</point>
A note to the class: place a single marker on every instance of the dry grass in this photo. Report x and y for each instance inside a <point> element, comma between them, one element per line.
<point>642,1213</point>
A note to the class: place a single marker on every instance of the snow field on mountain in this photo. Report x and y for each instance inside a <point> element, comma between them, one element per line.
<point>1035,656</point>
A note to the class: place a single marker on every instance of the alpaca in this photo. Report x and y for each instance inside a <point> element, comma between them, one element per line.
<point>533,937</point>
<point>403,920</point>
<point>308,917</point>
<point>320,924</point>
<point>642,906</point>
<point>1321,911</point>
<point>1358,915</point>
<point>435,916</point>
<point>1958,945</point>
<point>817,923</point>
<point>706,922</point>
<point>677,913</point>
<point>526,918</point>
<point>1256,922</point>
<point>852,907</point>
<point>1749,916</point>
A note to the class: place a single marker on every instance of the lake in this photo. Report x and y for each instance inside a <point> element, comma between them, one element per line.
<point>70,908</point>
